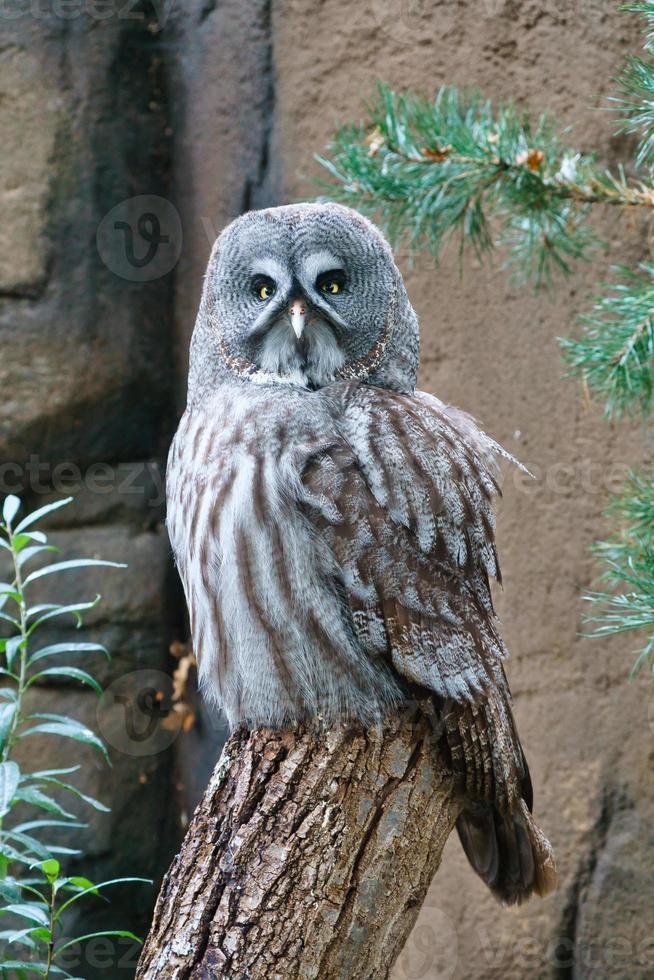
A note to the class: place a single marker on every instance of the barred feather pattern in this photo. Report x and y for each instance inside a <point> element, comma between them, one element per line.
<point>273,633</point>
<point>334,528</point>
<point>336,548</point>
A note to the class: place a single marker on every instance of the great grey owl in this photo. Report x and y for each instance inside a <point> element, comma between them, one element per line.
<point>333,527</point>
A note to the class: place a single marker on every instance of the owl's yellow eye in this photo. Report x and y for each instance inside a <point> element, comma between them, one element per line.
<point>263,287</point>
<point>331,282</point>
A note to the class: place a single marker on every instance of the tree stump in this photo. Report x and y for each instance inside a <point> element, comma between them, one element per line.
<point>308,857</point>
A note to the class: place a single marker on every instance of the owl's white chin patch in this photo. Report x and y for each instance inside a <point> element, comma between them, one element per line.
<point>311,361</point>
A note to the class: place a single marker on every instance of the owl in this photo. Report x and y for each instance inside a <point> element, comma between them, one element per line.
<point>333,526</point>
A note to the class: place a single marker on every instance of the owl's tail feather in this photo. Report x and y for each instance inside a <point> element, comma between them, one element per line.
<point>508,851</point>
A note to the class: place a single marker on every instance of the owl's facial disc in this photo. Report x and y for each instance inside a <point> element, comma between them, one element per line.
<point>306,294</point>
<point>298,328</point>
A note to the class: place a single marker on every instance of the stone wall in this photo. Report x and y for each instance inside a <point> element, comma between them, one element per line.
<point>217,106</point>
<point>86,375</point>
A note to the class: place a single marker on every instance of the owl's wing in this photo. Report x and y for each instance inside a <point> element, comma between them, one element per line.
<point>404,500</point>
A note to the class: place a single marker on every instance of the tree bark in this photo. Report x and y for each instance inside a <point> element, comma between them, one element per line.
<point>309,857</point>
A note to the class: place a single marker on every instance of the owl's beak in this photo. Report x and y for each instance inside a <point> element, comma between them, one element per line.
<point>298,313</point>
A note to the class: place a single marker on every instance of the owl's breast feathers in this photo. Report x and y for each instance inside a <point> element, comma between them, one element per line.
<point>336,549</point>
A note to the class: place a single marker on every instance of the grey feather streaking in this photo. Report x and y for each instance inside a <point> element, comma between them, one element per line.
<point>333,527</point>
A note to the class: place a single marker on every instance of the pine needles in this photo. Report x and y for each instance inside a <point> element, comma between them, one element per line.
<point>628,558</point>
<point>615,353</point>
<point>459,165</point>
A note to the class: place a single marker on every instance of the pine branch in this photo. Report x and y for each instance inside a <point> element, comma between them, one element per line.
<point>628,558</point>
<point>637,83</point>
<point>615,354</point>
<point>646,7</point>
<point>427,169</point>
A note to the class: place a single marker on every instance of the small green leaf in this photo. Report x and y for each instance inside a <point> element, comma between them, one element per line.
<point>8,591</point>
<point>16,596</point>
<point>21,541</point>
<point>11,854</point>
<point>9,780</point>
<point>103,884</point>
<point>32,845</point>
<point>50,611</point>
<point>7,712</point>
<point>120,933</point>
<point>76,792</point>
<point>49,772</point>
<point>56,648</point>
<point>50,716</point>
<point>81,883</point>
<point>22,936</point>
<point>36,536</point>
<point>10,965</point>
<point>31,890</point>
<point>28,910</point>
<point>74,673</point>
<point>10,890</point>
<point>36,824</point>
<point>34,796</point>
<point>10,508</point>
<point>69,729</point>
<point>41,512</point>
<point>51,870</point>
<point>27,553</point>
<point>42,607</point>
<point>63,566</point>
<point>14,644</point>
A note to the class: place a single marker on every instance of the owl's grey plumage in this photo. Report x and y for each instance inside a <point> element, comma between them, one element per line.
<point>333,527</point>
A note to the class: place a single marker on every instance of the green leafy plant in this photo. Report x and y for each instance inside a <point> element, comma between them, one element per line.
<point>628,559</point>
<point>34,895</point>
<point>496,177</point>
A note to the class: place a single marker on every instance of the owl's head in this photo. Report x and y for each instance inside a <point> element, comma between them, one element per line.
<point>305,294</point>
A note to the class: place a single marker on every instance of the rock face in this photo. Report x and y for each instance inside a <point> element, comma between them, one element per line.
<point>199,112</point>
<point>87,387</point>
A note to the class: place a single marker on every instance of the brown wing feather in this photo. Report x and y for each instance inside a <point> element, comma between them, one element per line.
<point>413,483</point>
<point>405,503</point>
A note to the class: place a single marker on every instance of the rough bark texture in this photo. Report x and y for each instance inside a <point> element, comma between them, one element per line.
<point>309,856</point>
